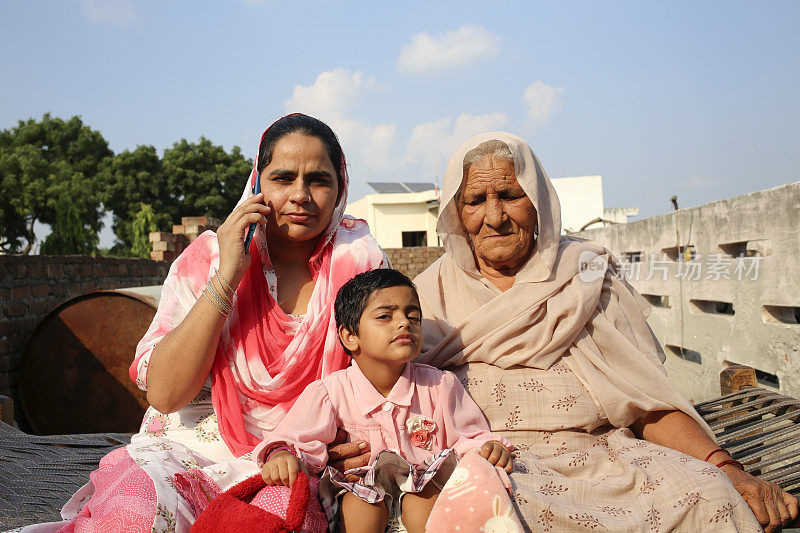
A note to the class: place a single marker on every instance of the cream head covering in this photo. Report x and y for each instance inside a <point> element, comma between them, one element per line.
<point>567,304</point>
<point>533,180</point>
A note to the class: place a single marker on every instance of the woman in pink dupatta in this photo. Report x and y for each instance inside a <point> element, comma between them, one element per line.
<point>215,382</point>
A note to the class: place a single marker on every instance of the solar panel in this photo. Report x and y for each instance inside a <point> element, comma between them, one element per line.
<point>388,187</point>
<point>418,186</point>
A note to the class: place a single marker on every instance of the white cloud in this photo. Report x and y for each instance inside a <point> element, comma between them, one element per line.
<point>334,93</point>
<point>114,12</point>
<point>452,49</point>
<point>432,143</point>
<point>366,146</point>
<point>372,149</point>
<point>333,97</point>
<point>541,101</point>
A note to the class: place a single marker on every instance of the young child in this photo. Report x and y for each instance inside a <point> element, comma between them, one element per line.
<point>416,419</point>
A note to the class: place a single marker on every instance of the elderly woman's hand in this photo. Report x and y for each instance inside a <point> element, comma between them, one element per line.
<point>343,455</point>
<point>773,507</point>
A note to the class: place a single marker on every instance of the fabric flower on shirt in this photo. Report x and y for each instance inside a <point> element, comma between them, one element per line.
<point>420,429</point>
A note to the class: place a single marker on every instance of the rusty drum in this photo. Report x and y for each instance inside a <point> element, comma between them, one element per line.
<point>73,375</point>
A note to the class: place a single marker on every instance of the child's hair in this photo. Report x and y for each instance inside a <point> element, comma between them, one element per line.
<point>352,298</point>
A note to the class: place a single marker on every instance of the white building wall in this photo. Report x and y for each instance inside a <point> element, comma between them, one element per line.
<point>581,200</point>
<point>403,217</point>
<point>390,214</point>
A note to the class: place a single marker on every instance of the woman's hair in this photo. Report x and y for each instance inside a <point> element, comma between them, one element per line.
<point>493,147</point>
<point>353,296</point>
<point>305,125</point>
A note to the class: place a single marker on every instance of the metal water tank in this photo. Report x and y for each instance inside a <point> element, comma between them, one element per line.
<point>73,375</point>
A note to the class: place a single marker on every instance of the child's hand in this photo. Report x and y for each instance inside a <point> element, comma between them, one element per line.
<point>281,469</point>
<point>497,454</point>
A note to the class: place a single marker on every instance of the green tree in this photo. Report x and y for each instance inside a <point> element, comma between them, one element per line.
<point>47,166</point>
<point>72,234</point>
<point>191,179</point>
<point>132,179</point>
<point>203,179</point>
<point>143,223</point>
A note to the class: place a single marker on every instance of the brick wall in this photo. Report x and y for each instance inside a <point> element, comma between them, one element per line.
<point>31,286</point>
<point>413,260</point>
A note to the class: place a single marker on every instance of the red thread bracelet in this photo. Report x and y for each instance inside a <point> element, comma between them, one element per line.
<point>715,451</point>
<point>730,462</point>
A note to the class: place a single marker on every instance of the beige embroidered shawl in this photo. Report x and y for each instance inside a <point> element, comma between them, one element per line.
<point>566,303</point>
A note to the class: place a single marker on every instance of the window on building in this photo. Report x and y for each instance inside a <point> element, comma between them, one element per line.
<point>415,238</point>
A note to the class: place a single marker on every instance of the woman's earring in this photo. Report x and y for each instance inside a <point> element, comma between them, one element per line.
<point>535,232</point>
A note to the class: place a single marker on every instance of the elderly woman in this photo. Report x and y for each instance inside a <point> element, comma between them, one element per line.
<point>564,365</point>
<point>239,333</point>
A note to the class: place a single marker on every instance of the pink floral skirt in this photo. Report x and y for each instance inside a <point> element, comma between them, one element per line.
<point>124,498</point>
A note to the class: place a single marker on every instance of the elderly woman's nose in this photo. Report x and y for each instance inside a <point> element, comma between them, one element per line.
<point>495,214</point>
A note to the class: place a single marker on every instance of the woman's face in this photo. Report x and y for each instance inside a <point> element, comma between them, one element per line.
<point>497,215</point>
<point>300,187</point>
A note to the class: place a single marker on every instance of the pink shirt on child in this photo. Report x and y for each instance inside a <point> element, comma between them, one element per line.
<point>347,399</point>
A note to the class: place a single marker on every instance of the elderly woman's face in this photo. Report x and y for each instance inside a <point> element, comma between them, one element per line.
<point>497,214</point>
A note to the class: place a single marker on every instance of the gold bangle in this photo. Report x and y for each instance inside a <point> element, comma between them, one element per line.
<point>222,299</point>
<point>230,289</point>
<point>223,313</point>
<point>220,294</point>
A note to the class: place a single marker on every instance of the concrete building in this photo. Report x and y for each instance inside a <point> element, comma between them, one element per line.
<point>400,214</point>
<point>582,204</point>
<point>404,214</point>
<point>722,280</point>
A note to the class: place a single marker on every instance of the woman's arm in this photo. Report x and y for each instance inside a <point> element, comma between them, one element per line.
<point>772,506</point>
<point>182,360</point>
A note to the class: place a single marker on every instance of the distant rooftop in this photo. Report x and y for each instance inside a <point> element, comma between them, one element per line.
<point>384,187</point>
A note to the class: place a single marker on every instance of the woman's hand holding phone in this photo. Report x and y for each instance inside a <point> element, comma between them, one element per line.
<point>233,261</point>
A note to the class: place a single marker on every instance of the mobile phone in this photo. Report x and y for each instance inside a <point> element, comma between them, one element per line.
<point>252,229</point>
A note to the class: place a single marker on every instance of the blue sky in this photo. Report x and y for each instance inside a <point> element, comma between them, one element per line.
<point>698,99</point>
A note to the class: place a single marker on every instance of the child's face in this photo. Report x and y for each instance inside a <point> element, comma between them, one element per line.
<point>389,330</point>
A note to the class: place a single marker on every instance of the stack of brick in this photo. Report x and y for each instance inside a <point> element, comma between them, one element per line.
<point>167,246</point>
<point>194,226</point>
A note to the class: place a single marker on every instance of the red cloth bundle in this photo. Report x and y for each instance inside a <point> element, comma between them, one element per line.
<point>232,512</point>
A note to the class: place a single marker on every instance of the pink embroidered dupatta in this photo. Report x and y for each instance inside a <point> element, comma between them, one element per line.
<point>265,358</point>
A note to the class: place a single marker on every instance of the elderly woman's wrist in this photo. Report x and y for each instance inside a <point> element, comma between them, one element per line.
<point>714,452</point>
<point>729,464</point>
